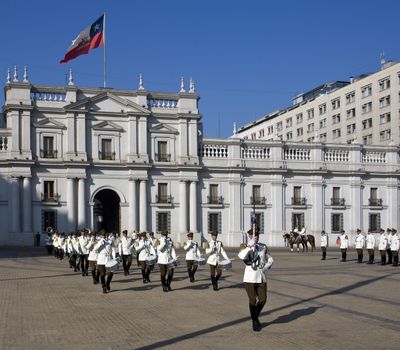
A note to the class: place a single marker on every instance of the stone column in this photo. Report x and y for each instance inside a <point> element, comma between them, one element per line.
<point>26,134</point>
<point>27,204</point>
<point>183,219</point>
<point>71,204</point>
<point>142,136</point>
<point>143,206</point>
<point>81,203</point>
<point>317,212</point>
<point>393,203</point>
<point>278,211</point>
<point>356,210</point>
<point>193,206</point>
<point>235,202</point>
<point>133,224</point>
<point>15,205</point>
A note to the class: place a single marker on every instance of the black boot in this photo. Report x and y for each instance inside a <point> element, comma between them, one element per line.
<point>216,278</point>
<point>169,280</point>
<point>148,275</point>
<point>323,256</point>
<point>213,282</point>
<point>383,259</point>
<point>109,278</point>
<point>190,273</point>
<point>254,318</point>
<point>97,276</point>
<point>395,261</point>
<point>144,276</point>
<point>164,284</point>
<point>95,281</point>
<point>259,307</point>
<point>103,284</point>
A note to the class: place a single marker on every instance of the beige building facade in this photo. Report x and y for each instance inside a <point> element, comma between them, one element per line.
<point>363,111</point>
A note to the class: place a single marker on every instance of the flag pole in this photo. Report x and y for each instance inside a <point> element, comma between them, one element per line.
<point>104,40</point>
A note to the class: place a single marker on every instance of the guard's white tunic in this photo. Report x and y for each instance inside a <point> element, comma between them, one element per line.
<point>125,245</point>
<point>215,250</point>
<point>105,251</point>
<point>259,274</point>
<point>344,242</point>
<point>395,245</point>
<point>370,241</point>
<point>145,249</point>
<point>192,250</point>
<point>360,241</point>
<point>324,241</point>
<point>383,241</point>
<point>165,250</point>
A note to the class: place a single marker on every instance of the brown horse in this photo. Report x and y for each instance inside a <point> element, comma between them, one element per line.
<point>294,238</point>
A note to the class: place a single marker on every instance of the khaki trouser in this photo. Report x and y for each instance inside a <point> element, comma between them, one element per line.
<point>257,292</point>
<point>215,271</point>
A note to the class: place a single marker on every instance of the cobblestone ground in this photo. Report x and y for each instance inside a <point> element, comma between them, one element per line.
<point>312,304</point>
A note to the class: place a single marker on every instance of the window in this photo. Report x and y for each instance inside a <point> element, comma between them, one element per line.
<point>310,113</point>
<point>322,109</point>
<point>366,107</point>
<point>297,199</point>
<point>289,136</point>
<point>162,196</point>
<point>373,193</point>
<point>299,118</point>
<point>367,140</point>
<point>350,97</point>
<point>384,118</point>
<point>299,131</point>
<point>253,136</point>
<point>298,221</point>
<point>336,133</point>
<point>48,148</point>
<point>366,91</point>
<point>310,127</point>
<point>256,195</point>
<point>350,113</point>
<point>351,128</point>
<point>214,195</point>
<point>336,119</point>
<point>322,137</point>
<point>48,192</point>
<point>261,133</point>
<point>335,103</point>
<point>384,101</point>
<point>163,221</point>
<point>374,222</point>
<point>384,84</point>
<point>288,122</point>
<point>270,130</point>
<point>322,123</point>
<point>311,139</point>
<point>259,222</point>
<point>49,219</point>
<point>336,223</point>
<point>106,150</point>
<point>385,135</point>
<point>279,126</point>
<point>367,123</point>
<point>162,155</point>
<point>214,222</point>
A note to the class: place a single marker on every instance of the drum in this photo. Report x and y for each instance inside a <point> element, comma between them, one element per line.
<point>112,265</point>
<point>173,263</point>
<point>225,264</point>
<point>151,259</point>
<point>200,261</point>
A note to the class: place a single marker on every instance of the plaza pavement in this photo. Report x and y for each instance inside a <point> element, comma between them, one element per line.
<point>312,304</point>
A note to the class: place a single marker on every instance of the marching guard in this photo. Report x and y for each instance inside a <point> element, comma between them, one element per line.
<point>371,247</point>
<point>383,243</point>
<point>166,260</point>
<point>145,250</point>
<point>92,258</point>
<point>394,247</point>
<point>192,253</point>
<point>105,252</point>
<point>344,244</point>
<point>324,244</point>
<point>360,242</point>
<point>257,262</point>
<point>83,258</point>
<point>215,249</point>
<point>388,248</point>
<point>125,247</point>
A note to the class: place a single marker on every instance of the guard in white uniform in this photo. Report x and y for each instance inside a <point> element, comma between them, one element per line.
<point>359,243</point>
<point>215,249</point>
<point>145,249</point>
<point>49,243</point>
<point>255,281</point>
<point>192,253</point>
<point>105,252</point>
<point>84,253</point>
<point>167,260</point>
<point>388,249</point>
<point>383,243</point>
<point>92,258</point>
<point>125,251</point>
<point>371,247</point>
<point>324,244</point>
<point>344,245</point>
<point>394,247</point>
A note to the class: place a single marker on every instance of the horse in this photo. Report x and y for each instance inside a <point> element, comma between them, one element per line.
<point>294,238</point>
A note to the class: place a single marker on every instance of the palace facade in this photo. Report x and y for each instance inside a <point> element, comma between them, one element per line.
<point>103,158</point>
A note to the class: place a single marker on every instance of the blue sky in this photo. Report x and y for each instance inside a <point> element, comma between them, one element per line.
<point>248,58</point>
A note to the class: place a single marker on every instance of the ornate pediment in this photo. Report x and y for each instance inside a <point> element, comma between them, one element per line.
<point>107,126</point>
<point>107,102</point>
<point>47,123</point>
<point>163,129</point>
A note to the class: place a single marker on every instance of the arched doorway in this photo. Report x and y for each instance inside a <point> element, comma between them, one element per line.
<point>106,211</point>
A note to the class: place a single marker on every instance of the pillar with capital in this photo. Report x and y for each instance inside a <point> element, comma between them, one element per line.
<point>193,206</point>
<point>71,204</point>
<point>183,206</point>
<point>15,205</point>
<point>27,204</point>
<point>133,224</point>
<point>143,206</point>
<point>81,203</point>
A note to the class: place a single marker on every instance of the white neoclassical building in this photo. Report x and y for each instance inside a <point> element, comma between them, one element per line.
<point>74,157</point>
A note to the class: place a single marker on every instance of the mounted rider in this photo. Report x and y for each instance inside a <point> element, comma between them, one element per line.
<point>303,235</point>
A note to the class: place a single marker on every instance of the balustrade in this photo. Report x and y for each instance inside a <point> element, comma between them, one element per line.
<point>336,155</point>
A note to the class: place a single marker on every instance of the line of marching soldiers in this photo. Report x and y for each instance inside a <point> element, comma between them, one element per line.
<point>101,253</point>
<point>388,245</point>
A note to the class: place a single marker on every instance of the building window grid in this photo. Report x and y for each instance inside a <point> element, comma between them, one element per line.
<point>350,113</point>
<point>310,113</point>
<point>335,103</point>
<point>299,118</point>
<point>322,137</point>
<point>336,118</point>
<point>336,133</point>
<point>384,101</point>
<point>367,140</point>
<point>351,97</point>
<point>322,109</point>
<point>289,122</point>
<point>366,91</point>
<point>384,118</point>
<point>366,107</point>
<point>384,84</point>
<point>299,131</point>
<point>367,123</point>
<point>289,136</point>
<point>322,123</point>
<point>351,128</point>
<point>385,135</point>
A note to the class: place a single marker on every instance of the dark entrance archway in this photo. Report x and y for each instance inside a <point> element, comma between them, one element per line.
<point>106,211</point>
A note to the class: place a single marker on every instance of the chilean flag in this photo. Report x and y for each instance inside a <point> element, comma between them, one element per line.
<point>90,38</point>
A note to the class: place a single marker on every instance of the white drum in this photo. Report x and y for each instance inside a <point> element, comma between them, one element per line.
<point>225,264</point>
<point>112,265</point>
<point>151,259</point>
<point>200,261</point>
<point>173,263</point>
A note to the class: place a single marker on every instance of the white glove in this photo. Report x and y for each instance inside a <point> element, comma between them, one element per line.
<point>251,243</point>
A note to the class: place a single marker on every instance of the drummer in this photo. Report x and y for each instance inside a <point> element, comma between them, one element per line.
<point>257,261</point>
<point>105,253</point>
<point>192,253</point>
<point>145,249</point>
<point>92,258</point>
<point>125,246</point>
<point>166,258</point>
<point>215,249</point>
